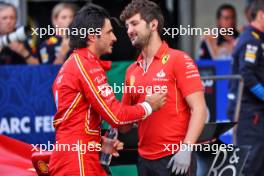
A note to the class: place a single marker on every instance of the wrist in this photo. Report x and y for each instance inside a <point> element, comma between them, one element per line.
<point>258,90</point>
<point>185,147</point>
<point>147,108</point>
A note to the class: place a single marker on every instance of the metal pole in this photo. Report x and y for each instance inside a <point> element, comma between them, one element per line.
<point>239,95</point>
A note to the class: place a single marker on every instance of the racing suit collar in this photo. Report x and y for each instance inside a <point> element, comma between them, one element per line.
<point>257,30</point>
<point>159,55</point>
<point>88,54</point>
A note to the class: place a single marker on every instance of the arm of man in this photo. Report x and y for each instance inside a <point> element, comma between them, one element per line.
<point>180,162</point>
<point>189,82</point>
<point>215,49</point>
<point>126,100</point>
<point>249,60</point>
<point>196,102</point>
<point>104,102</point>
<point>19,48</point>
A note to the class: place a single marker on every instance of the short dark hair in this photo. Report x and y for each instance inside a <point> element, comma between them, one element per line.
<point>148,10</point>
<point>255,7</point>
<point>90,16</point>
<point>225,7</point>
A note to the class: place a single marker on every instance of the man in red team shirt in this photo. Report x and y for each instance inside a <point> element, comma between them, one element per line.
<point>182,118</point>
<point>83,98</point>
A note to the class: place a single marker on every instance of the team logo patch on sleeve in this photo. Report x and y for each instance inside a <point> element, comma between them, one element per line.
<point>255,35</point>
<point>250,55</point>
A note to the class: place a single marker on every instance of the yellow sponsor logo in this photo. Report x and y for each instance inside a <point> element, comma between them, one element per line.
<point>132,80</point>
<point>165,59</point>
<point>250,55</point>
<point>43,167</point>
<point>255,35</point>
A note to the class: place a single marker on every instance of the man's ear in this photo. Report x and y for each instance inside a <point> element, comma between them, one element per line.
<point>262,15</point>
<point>154,24</point>
<point>91,38</point>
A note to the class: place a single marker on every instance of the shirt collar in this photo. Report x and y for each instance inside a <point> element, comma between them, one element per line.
<point>160,53</point>
<point>257,30</point>
<point>88,54</point>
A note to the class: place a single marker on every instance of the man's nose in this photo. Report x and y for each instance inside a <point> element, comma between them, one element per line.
<point>129,30</point>
<point>68,20</point>
<point>8,20</point>
<point>114,38</point>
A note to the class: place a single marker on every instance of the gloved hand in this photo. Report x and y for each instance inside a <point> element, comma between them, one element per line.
<point>180,162</point>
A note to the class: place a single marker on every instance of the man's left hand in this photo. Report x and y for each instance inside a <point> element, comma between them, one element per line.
<point>111,146</point>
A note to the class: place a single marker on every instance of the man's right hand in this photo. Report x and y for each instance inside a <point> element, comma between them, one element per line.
<point>156,100</point>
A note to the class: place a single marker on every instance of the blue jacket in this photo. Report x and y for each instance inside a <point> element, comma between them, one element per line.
<point>248,61</point>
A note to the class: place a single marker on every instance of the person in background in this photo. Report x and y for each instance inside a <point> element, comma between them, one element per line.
<point>248,61</point>
<point>220,47</point>
<point>247,14</point>
<point>56,48</point>
<point>16,52</point>
<point>247,10</point>
<point>233,84</point>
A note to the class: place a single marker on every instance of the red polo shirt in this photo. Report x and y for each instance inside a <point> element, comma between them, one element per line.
<point>171,71</point>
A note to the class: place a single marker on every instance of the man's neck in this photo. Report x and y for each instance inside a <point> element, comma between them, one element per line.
<point>94,51</point>
<point>258,26</point>
<point>151,48</point>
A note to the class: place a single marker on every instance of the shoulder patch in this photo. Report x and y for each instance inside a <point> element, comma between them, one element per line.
<point>187,57</point>
<point>255,35</point>
<point>251,53</point>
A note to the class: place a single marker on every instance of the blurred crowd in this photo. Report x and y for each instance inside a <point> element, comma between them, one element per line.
<point>221,48</point>
<point>55,49</point>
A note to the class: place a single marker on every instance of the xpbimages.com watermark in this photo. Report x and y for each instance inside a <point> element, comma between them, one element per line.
<point>197,31</point>
<point>50,31</point>
<point>170,31</point>
<point>213,148</point>
<point>74,147</point>
<point>106,89</point>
